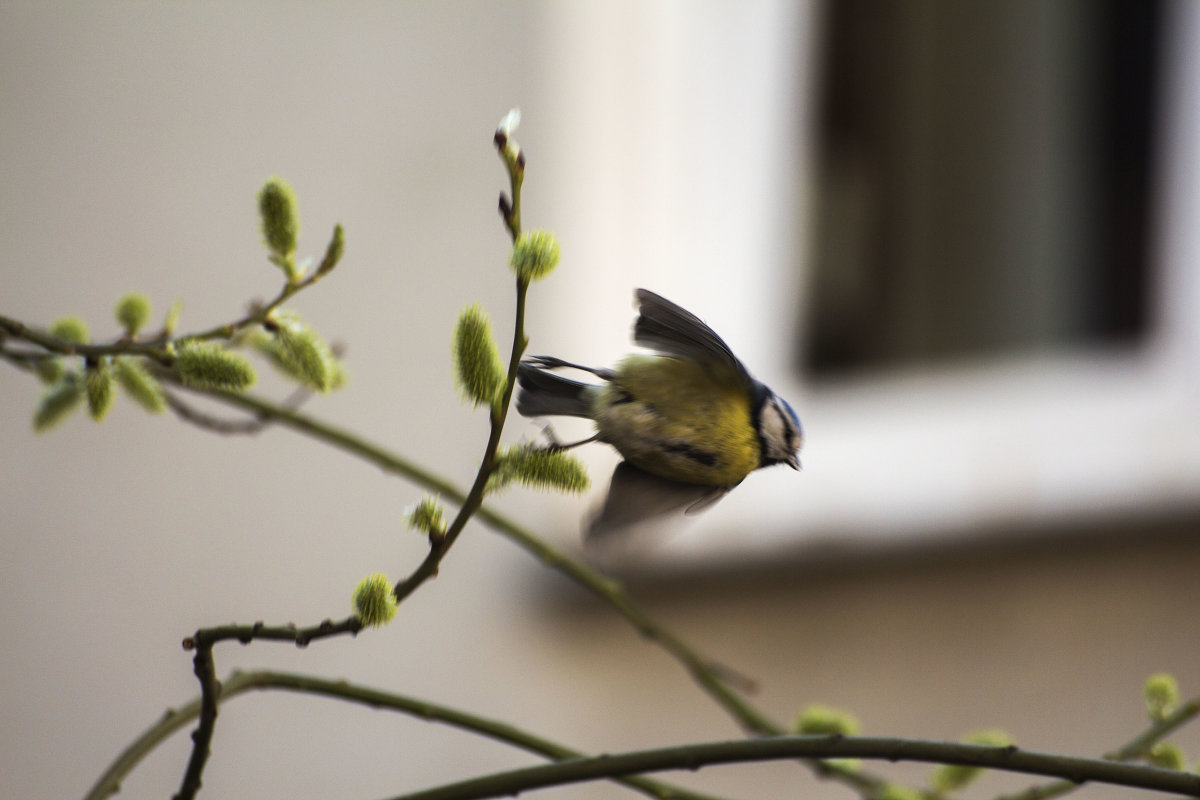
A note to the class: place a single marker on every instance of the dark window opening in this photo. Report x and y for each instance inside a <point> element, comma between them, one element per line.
<point>983,179</point>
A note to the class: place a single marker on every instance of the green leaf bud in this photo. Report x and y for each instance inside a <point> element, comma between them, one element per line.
<point>280,224</point>
<point>133,311</point>
<point>952,777</point>
<point>534,255</point>
<point>1161,693</point>
<point>427,516</point>
<point>172,321</point>
<point>301,352</point>
<point>57,401</point>
<point>538,468</point>
<point>334,251</point>
<point>946,778</point>
<point>898,791</point>
<point>139,384</point>
<point>205,365</point>
<point>1167,755</point>
<point>989,737</point>
<point>374,600</point>
<point>820,719</point>
<point>98,381</point>
<point>338,376</point>
<point>70,329</point>
<point>477,368</point>
<point>49,370</point>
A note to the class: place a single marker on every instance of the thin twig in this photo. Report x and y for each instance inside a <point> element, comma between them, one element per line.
<point>771,748</point>
<point>241,682</point>
<point>155,348</point>
<point>205,639</point>
<point>204,666</point>
<point>229,427</point>
<point>1130,751</point>
<point>604,587</point>
<point>440,545</point>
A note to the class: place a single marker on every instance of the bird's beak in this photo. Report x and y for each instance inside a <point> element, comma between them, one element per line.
<point>794,462</point>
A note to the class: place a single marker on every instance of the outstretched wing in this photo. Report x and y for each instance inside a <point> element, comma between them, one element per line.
<point>636,508</point>
<point>663,326</point>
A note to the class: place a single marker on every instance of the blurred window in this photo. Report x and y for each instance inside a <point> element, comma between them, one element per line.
<point>978,221</point>
<point>983,180</point>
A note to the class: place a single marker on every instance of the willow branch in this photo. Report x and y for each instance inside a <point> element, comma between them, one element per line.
<point>1130,751</point>
<point>439,546</point>
<point>473,501</point>
<point>156,347</point>
<point>774,748</point>
<point>706,674</point>
<point>204,666</point>
<point>241,682</point>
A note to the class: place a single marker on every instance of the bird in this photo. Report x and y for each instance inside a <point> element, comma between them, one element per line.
<point>688,419</point>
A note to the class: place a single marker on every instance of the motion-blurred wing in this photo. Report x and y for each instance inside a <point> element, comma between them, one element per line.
<point>636,509</point>
<point>663,326</point>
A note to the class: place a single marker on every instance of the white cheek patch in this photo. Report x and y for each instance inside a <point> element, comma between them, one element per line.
<point>774,431</point>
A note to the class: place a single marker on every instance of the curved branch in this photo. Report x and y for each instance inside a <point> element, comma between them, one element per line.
<point>240,682</point>
<point>473,501</point>
<point>702,669</point>
<point>202,642</point>
<point>228,427</point>
<point>156,347</point>
<point>1130,751</point>
<point>773,748</point>
<point>205,639</point>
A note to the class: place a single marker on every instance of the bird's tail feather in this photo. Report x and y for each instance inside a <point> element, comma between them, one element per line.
<point>545,394</point>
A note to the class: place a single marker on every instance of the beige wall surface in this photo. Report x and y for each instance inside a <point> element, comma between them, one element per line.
<point>133,138</point>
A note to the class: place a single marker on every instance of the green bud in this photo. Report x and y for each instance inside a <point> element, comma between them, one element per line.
<point>98,381</point>
<point>1167,755</point>
<point>952,777</point>
<point>538,468</point>
<point>534,255</point>
<point>70,329</point>
<point>57,401</point>
<point>301,352</point>
<point>133,311</point>
<point>989,737</point>
<point>205,365</point>
<point>139,384</point>
<point>897,791</point>
<point>427,516</point>
<point>172,320</point>
<point>280,224</point>
<point>477,367</point>
<point>49,370</point>
<point>374,600</point>
<point>1161,693</point>
<point>946,778</point>
<point>333,253</point>
<point>338,376</point>
<point>819,719</point>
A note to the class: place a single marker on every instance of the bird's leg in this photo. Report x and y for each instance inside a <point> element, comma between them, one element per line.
<point>555,445</point>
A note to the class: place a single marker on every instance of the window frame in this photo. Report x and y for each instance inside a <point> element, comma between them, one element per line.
<point>1032,442</point>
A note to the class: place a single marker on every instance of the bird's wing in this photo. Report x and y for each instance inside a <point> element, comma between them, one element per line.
<point>663,326</point>
<point>634,512</point>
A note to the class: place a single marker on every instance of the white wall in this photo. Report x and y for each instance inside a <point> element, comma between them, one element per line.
<point>132,141</point>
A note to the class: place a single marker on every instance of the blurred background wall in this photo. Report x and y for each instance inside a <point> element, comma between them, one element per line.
<point>958,237</point>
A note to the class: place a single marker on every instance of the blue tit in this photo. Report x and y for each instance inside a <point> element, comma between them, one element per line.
<point>689,420</point>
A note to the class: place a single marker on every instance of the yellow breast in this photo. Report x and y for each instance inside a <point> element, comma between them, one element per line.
<point>679,420</point>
